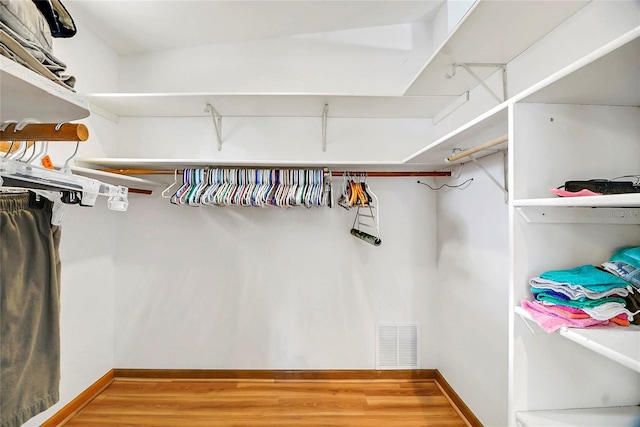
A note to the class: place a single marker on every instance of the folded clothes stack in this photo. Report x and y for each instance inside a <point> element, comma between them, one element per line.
<point>587,295</point>
<point>26,31</point>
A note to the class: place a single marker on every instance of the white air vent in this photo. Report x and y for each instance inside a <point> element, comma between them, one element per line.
<point>396,346</point>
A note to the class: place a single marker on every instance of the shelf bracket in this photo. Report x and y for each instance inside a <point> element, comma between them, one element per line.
<point>492,178</point>
<point>467,67</point>
<point>325,111</point>
<point>217,123</point>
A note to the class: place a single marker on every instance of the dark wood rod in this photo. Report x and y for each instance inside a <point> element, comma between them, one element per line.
<point>76,132</point>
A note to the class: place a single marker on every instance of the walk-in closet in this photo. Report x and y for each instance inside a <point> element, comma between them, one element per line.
<point>445,193</point>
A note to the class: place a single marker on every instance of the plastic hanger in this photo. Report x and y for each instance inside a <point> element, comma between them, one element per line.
<point>165,194</point>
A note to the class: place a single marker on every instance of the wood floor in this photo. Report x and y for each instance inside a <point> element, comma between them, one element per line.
<point>210,403</point>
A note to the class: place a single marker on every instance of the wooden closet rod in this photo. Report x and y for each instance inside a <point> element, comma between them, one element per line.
<point>333,173</point>
<point>6,146</point>
<point>477,148</point>
<point>76,132</point>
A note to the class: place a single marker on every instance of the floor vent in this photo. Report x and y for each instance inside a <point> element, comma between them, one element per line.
<point>396,346</point>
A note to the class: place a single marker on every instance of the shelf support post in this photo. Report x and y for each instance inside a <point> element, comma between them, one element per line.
<point>467,67</point>
<point>325,111</point>
<point>217,123</point>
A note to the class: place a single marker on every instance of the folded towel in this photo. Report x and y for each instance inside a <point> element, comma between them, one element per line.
<point>608,310</point>
<point>581,303</point>
<point>587,276</point>
<point>539,284</point>
<point>550,321</point>
<point>567,312</point>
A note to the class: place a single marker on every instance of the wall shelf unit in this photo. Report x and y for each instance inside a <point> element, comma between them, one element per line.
<point>26,94</point>
<point>581,123</point>
<point>491,32</point>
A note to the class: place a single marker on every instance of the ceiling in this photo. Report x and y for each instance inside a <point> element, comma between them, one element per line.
<point>140,26</point>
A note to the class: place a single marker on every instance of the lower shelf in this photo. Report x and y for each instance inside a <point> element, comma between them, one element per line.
<point>621,344</point>
<point>620,416</point>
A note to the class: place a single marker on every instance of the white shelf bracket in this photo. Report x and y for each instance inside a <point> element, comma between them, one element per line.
<point>325,111</point>
<point>467,67</point>
<point>217,123</point>
<point>493,179</point>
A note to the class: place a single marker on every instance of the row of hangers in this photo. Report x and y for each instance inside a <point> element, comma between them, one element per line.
<point>22,170</point>
<point>251,187</point>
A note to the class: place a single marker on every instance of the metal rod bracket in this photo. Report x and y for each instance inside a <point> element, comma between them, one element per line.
<point>217,123</point>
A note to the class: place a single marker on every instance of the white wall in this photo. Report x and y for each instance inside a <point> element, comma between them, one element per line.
<point>88,245</point>
<point>250,288</point>
<point>473,275</point>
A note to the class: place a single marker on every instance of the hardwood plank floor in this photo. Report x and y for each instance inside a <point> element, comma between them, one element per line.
<point>284,403</point>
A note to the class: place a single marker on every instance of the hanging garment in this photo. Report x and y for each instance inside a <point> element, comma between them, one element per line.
<point>29,309</point>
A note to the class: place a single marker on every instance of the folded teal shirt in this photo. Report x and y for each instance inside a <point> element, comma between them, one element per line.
<point>587,276</point>
<point>629,255</point>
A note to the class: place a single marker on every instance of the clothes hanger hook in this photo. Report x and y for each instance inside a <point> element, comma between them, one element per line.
<point>6,124</point>
<point>66,163</point>
<point>59,125</point>
<point>21,125</point>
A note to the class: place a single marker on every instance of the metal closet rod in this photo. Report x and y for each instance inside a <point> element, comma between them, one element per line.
<point>333,173</point>
<point>50,132</point>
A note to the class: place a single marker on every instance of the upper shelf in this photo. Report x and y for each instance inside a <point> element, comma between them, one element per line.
<point>491,32</point>
<point>268,105</point>
<point>26,94</point>
<point>607,76</point>
<point>488,126</point>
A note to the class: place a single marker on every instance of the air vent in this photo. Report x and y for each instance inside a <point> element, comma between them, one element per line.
<point>396,346</point>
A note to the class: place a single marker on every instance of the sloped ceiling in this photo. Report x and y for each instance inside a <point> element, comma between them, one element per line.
<point>141,26</point>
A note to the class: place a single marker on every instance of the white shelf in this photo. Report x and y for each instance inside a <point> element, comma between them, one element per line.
<point>26,94</point>
<point>611,209</point>
<point>169,164</point>
<point>268,105</point>
<point>609,201</point>
<point>610,74</point>
<point>488,126</point>
<point>620,416</point>
<point>620,344</point>
<point>491,32</point>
